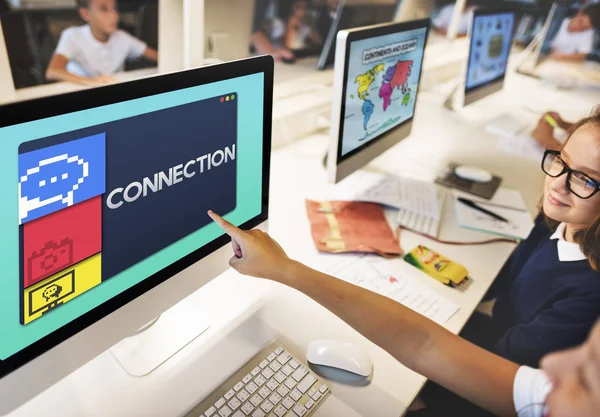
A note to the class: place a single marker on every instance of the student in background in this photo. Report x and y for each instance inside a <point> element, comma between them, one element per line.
<point>544,132</point>
<point>300,34</point>
<point>266,30</point>
<point>91,53</point>
<point>568,384</point>
<point>576,36</point>
<point>441,23</point>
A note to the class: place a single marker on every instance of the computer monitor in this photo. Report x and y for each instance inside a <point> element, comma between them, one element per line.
<point>227,29</point>
<point>352,14</point>
<point>555,19</point>
<point>103,217</point>
<point>376,84</point>
<point>491,33</point>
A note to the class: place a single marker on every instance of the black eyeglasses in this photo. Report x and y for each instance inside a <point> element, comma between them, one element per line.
<point>580,184</point>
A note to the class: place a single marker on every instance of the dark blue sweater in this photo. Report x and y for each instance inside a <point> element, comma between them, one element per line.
<point>543,305</point>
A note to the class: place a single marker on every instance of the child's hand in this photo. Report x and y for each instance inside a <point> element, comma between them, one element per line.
<point>564,125</point>
<point>544,135</point>
<point>100,80</point>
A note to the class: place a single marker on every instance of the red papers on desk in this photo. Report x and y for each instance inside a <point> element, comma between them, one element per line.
<point>350,226</point>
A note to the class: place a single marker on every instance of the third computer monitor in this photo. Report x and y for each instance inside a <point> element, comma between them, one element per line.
<point>377,75</point>
<point>491,34</point>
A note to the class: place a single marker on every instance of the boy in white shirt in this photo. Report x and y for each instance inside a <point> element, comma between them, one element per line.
<point>575,38</point>
<point>91,53</point>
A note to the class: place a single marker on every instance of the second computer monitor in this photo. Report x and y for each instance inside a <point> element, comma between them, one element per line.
<point>491,34</point>
<point>377,75</point>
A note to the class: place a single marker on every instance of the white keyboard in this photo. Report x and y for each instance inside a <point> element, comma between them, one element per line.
<point>506,124</point>
<point>272,384</point>
<point>419,222</point>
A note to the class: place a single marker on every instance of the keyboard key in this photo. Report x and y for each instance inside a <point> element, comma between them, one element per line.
<point>264,392</point>
<point>220,403</point>
<point>272,357</point>
<point>238,386</point>
<point>267,406</point>
<point>256,371</point>
<point>211,411</point>
<point>275,366</point>
<point>260,381</point>
<point>247,379</point>
<point>287,370</point>
<point>294,364</point>
<point>317,396</point>
<point>267,373</point>
<point>278,350</point>
<point>323,389</point>
<point>251,388</point>
<point>311,392</point>
<point>243,395</point>
<point>290,383</point>
<point>306,383</point>
<point>288,403</point>
<point>234,404</point>
<point>300,410</point>
<point>238,414</point>
<point>258,413</point>
<point>263,364</point>
<point>283,358</point>
<point>280,411</point>
<point>275,398</point>
<point>309,404</point>
<point>280,377</point>
<point>272,384</point>
<point>229,394</point>
<point>299,374</point>
<point>256,400</point>
<point>225,412</point>
<point>295,395</point>
<point>283,391</point>
<point>247,408</point>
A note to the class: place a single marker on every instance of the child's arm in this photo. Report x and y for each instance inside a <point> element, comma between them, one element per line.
<point>415,341</point>
<point>578,57</point>
<point>151,54</point>
<point>57,71</point>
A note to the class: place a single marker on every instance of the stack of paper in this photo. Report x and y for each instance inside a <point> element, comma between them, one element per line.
<point>507,203</point>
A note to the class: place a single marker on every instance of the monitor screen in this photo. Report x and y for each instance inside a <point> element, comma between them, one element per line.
<point>491,39</point>
<point>381,86</point>
<point>100,200</point>
<point>561,39</point>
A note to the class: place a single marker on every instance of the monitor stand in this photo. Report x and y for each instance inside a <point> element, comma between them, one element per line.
<point>455,103</point>
<point>160,339</point>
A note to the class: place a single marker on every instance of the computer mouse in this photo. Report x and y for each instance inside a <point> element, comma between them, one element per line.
<point>471,173</point>
<point>340,355</point>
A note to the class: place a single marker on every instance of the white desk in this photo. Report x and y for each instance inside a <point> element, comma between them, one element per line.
<point>247,313</point>
<point>64,87</point>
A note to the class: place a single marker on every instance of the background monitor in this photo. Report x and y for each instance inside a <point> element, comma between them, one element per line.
<point>557,15</point>
<point>491,33</point>
<point>227,28</point>
<point>353,14</point>
<point>376,84</point>
<point>99,234</point>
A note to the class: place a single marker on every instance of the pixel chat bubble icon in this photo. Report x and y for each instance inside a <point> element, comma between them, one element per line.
<point>59,176</point>
<point>495,46</point>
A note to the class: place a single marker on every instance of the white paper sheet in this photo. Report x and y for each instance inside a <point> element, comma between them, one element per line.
<point>376,274</point>
<point>403,193</point>
<point>507,203</point>
<point>521,145</point>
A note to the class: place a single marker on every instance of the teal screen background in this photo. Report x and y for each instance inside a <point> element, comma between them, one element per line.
<point>249,157</point>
